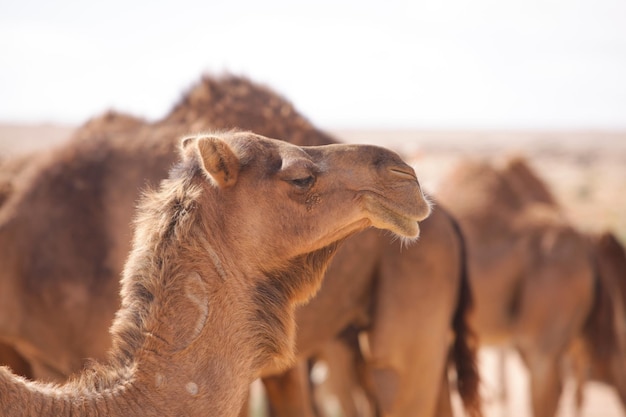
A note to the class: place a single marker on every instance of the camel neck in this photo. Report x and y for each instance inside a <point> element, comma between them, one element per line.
<point>195,355</point>
<point>181,340</point>
<point>21,398</point>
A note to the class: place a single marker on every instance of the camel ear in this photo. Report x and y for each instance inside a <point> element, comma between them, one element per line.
<point>187,141</point>
<point>218,160</point>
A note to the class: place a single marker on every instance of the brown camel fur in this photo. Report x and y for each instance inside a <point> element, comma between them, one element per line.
<point>411,331</point>
<point>531,272</point>
<point>600,352</point>
<point>239,234</point>
<point>12,171</point>
<point>15,361</point>
<point>70,322</point>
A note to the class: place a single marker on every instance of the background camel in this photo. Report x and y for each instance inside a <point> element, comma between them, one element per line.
<point>411,332</point>
<point>600,354</point>
<point>531,272</point>
<point>105,153</point>
<point>221,255</point>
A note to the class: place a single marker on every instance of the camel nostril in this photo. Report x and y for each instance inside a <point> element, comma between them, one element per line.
<point>406,173</point>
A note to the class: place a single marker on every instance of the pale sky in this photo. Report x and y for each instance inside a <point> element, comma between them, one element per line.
<point>361,64</point>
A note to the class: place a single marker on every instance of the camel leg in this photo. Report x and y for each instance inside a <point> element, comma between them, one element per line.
<point>579,362</point>
<point>395,400</point>
<point>503,392</point>
<point>289,394</point>
<point>444,404</point>
<point>549,321</point>
<point>618,372</point>
<point>407,352</point>
<point>545,382</point>
<point>343,380</point>
<point>410,335</point>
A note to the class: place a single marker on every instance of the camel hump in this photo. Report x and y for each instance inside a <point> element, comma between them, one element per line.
<point>218,159</point>
<point>526,182</point>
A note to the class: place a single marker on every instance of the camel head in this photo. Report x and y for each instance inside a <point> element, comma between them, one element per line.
<point>283,209</point>
<point>279,201</point>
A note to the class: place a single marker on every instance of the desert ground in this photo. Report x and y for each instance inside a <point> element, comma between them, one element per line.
<point>586,170</point>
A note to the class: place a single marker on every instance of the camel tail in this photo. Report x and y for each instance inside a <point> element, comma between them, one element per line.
<point>465,346</point>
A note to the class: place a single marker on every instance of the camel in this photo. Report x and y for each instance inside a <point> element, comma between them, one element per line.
<point>81,297</point>
<point>240,233</point>
<point>416,325</point>
<point>598,352</point>
<point>533,275</point>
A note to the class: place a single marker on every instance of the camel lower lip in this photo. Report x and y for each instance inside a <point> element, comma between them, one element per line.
<point>412,232</point>
<point>406,226</point>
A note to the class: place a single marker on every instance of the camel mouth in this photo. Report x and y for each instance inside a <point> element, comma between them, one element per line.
<point>407,228</point>
<point>395,217</point>
<point>398,223</point>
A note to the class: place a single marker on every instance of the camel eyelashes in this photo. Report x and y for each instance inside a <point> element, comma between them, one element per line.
<point>305,182</point>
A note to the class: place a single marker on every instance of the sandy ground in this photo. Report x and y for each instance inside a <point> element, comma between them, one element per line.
<point>587,171</point>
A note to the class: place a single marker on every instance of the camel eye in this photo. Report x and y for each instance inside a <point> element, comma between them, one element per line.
<point>305,182</point>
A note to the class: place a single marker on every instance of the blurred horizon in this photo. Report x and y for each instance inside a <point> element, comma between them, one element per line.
<point>542,65</point>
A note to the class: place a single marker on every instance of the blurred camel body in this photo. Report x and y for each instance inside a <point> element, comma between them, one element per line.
<point>600,353</point>
<point>533,276</point>
<point>92,184</point>
<point>222,254</point>
<point>399,351</point>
